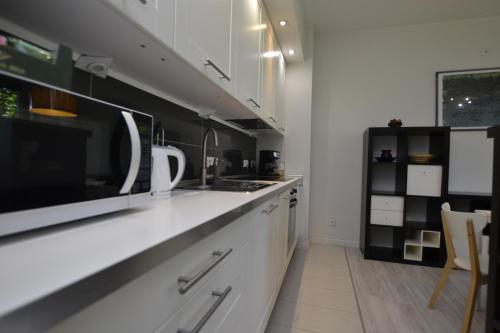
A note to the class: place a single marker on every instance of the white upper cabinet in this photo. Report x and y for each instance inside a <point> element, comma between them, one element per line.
<point>248,29</point>
<point>281,93</point>
<point>155,16</point>
<point>269,73</point>
<point>166,21</point>
<point>203,36</point>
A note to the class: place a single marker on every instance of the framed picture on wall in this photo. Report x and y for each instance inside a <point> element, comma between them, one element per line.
<point>468,99</point>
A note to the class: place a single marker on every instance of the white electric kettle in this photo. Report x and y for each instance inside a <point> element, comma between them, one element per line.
<point>161,179</point>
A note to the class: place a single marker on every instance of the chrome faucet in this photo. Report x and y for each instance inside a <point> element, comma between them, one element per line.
<point>204,157</point>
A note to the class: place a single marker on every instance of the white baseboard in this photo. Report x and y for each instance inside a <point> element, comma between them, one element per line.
<point>336,242</point>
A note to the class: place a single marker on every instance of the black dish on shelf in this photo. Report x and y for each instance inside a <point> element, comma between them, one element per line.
<point>385,159</point>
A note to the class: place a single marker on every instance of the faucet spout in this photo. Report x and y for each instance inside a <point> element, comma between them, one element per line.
<point>204,155</point>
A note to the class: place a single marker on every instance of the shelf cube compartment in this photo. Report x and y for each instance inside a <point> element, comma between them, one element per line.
<point>431,238</point>
<point>424,180</point>
<point>384,142</point>
<point>412,252</point>
<point>414,237</point>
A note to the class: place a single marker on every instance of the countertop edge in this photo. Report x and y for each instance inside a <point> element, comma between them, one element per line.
<point>45,312</point>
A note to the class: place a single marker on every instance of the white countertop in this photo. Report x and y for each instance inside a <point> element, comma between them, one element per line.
<point>44,262</point>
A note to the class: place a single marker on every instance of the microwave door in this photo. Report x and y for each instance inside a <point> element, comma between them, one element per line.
<point>49,161</point>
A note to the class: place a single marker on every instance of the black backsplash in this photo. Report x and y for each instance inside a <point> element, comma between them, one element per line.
<point>184,129</point>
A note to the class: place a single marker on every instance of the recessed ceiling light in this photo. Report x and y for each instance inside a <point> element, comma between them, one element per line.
<point>291,52</point>
<point>283,23</point>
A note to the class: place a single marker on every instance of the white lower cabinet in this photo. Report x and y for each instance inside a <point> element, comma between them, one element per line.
<point>261,277</point>
<point>237,295</point>
<point>144,304</point>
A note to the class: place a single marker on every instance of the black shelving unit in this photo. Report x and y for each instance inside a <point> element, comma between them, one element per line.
<point>398,213</point>
<point>493,310</point>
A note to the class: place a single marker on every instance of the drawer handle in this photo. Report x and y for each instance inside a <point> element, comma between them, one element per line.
<point>217,69</point>
<point>189,282</point>
<point>220,298</point>
<point>251,100</point>
<point>270,209</point>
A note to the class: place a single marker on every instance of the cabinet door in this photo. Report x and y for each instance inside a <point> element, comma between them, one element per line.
<point>154,16</point>
<point>269,73</point>
<point>249,29</point>
<point>282,234</point>
<point>261,276</point>
<point>203,37</point>
<point>281,93</point>
<point>166,22</point>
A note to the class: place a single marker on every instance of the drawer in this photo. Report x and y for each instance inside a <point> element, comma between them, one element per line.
<point>144,304</point>
<point>381,202</point>
<point>386,217</point>
<point>424,180</point>
<point>227,309</point>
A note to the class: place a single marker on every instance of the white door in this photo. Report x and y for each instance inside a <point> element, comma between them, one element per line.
<point>249,29</point>
<point>203,31</point>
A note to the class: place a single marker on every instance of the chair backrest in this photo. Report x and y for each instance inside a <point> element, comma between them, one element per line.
<point>457,222</point>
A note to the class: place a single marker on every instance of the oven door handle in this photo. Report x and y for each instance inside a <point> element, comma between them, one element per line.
<point>135,155</point>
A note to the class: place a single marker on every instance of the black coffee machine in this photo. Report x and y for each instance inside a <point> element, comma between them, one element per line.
<point>269,164</point>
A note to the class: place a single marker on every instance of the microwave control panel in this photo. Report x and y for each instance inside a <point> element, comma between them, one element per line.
<point>145,126</point>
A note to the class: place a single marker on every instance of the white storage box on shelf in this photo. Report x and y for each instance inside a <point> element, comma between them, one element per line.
<point>424,180</point>
<point>387,210</point>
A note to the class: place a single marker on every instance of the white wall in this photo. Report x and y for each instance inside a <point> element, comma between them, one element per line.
<point>365,78</point>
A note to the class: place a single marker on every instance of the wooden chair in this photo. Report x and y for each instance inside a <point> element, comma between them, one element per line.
<point>460,226</point>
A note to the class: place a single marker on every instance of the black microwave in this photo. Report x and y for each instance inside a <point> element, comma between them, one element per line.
<point>64,156</point>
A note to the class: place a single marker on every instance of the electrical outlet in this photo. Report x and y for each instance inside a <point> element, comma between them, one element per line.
<point>485,52</point>
<point>332,223</point>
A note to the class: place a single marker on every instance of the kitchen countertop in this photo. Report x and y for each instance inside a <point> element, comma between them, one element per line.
<point>41,263</point>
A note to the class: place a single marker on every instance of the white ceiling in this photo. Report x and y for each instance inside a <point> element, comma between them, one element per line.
<point>346,15</point>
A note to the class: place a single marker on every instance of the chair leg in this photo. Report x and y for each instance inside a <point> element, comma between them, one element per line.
<point>441,282</point>
<point>469,305</point>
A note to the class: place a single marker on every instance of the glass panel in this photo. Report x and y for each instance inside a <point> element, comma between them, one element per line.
<point>57,148</point>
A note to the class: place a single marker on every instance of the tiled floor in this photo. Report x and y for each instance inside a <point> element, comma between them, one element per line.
<point>331,289</point>
<point>317,295</point>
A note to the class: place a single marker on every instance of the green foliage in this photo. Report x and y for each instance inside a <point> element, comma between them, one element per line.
<point>8,103</point>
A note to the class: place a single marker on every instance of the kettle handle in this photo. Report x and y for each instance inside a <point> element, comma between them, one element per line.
<point>177,153</point>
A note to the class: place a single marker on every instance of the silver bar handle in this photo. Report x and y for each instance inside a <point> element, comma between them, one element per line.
<point>270,209</point>
<point>220,298</point>
<point>251,100</point>
<point>273,208</point>
<point>217,69</point>
<point>135,155</point>
<point>190,282</point>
